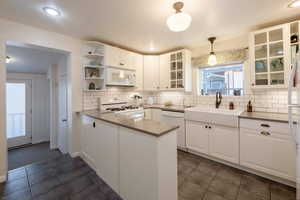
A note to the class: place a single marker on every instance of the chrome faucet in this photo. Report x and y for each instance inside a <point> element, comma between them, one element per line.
<point>218,99</point>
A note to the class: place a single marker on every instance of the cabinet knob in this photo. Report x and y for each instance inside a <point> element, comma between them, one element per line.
<point>265,125</point>
<point>265,133</point>
<point>94,125</point>
<point>206,126</point>
<point>253,84</point>
<point>209,127</point>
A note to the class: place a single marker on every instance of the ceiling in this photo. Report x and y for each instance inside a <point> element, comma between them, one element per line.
<point>141,24</point>
<point>30,60</point>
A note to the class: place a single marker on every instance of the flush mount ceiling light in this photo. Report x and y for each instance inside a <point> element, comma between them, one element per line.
<point>294,4</point>
<point>179,21</point>
<point>7,60</point>
<point>212,59</point>
<point>51,11</point>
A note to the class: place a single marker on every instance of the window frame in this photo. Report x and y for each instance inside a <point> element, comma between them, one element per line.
<point>200,78</point>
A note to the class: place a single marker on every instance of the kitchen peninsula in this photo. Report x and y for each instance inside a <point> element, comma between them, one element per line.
<point>137,158</point>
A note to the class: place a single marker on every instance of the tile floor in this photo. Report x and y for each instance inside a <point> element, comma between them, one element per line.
<point>30,154</point>
<point>202,179</point>
<point>64,178</point>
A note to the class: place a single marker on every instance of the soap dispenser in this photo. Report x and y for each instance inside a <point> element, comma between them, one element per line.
<point>249,107</point>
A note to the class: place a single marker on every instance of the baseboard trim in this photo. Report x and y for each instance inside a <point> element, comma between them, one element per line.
<point>2,179</point>
<point>75,154</point>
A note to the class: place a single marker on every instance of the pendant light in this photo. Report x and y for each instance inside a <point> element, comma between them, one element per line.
<point>212,59</point>
<point>179,21</point>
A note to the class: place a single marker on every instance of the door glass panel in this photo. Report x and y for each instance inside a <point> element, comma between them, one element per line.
<point>173,66</point>
<point>179,56</point>
<point>276,64</point>
<point>179,65</point>
<point>261,52</point>
<point>261,79</point>
<point>179,75</point>
<point>173,57</point>
<point>261,66</point>
<point>15,109</point>
<point>173,84</point>
<point>275,35</point>
<point>260,38</point>
<point>180,84</point>
<point>276,49</point>
<point>277,79</point>
<point>173,75</point>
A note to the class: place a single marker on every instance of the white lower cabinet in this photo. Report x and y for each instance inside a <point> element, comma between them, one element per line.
<point>214,140</point>
<point>267,151</point>
<point>197,136</point>
<point>101,149</point>
<point>176,119</point>
<point>224,143</point>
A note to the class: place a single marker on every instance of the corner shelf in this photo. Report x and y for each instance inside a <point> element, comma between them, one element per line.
<point>93,67</point>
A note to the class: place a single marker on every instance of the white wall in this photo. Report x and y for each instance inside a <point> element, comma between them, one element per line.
<point>40,104</point>
<point>30,35</point>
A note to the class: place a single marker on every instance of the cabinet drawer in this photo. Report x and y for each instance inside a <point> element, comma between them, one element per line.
<point>262,125</point>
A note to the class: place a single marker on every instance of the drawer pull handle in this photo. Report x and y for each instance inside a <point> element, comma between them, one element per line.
<point>265,125</point>
<point>265,133</point>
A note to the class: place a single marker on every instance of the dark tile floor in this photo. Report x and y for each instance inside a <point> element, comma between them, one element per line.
<point>202,179</point>
<point>64,178</point>
<point>26,155</point>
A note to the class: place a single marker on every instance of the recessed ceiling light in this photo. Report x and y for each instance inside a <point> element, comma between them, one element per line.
<point>51,11</point>
<point>7,60</point>
<point>294,4</point>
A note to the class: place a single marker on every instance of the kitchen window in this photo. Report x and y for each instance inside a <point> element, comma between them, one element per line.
<point>228,79</point>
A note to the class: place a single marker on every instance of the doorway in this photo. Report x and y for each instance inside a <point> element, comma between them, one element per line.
<point>18,112</point>
<point>36,104</point>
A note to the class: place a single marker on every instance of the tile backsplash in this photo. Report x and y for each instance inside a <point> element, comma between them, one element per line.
<point>271,100</point>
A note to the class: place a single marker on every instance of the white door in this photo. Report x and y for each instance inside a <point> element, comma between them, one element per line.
<point>63,115</point>
<point>18,112</point>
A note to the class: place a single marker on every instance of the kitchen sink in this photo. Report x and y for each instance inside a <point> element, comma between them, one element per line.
<point>211,115</point>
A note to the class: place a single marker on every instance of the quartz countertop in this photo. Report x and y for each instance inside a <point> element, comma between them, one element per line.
<point>275,117</point>
<point>151,127</point>
<point>173,108</point>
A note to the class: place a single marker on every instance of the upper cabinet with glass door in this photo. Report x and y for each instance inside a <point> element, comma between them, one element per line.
<point>269,57</point>
<point>180,70</point>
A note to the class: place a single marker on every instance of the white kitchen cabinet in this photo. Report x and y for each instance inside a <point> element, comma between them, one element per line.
<point>148,114</point>
<point>88,139</point>
<point>151,73</point>
<point>136,62</point>
<point>270,57</point>
<point>112,55</point>
<point>124,59</point>
<point>197,136</point>
<point>100,148</point>
<point>156,114</point>
<point>214,140</point>
<point>107,153</point>
<point>176,119</point>
<point>267,149</point>
<point>164,71</point>
<point>224,142</point>
<point>116,57</point>
<point>180,70</point>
